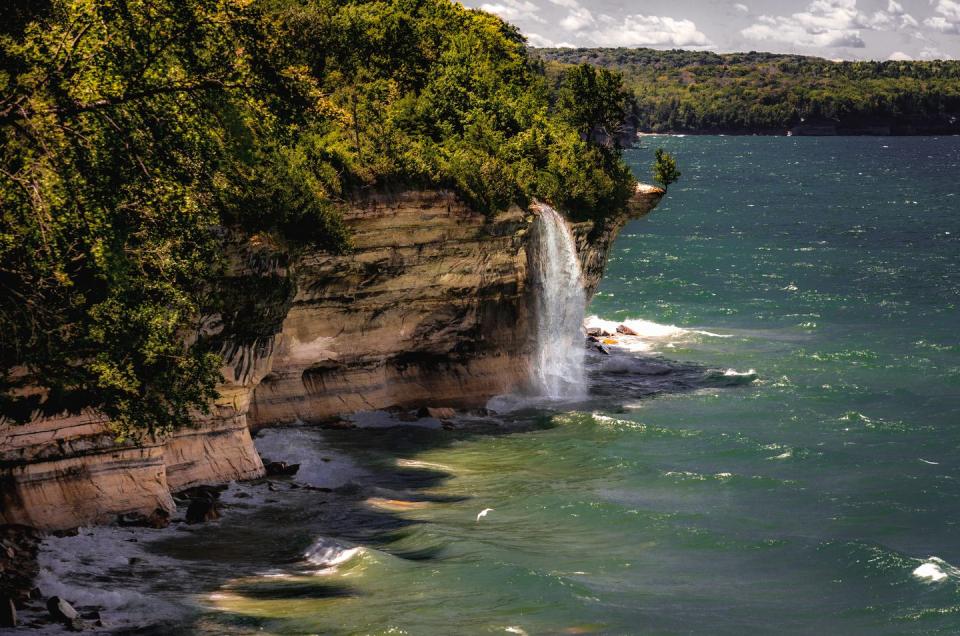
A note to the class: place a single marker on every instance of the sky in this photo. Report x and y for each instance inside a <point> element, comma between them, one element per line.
<point>834,29</point>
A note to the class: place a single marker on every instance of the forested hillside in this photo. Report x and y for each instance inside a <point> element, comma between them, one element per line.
<point>694,91</point>
<point>134,134</point>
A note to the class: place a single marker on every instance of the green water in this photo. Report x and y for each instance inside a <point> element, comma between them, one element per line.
<point>679,500</point>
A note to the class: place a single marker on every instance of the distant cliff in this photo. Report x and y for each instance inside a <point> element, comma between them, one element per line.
<point>431,308</point>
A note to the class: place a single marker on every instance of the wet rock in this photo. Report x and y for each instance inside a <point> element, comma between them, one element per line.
<point>18,561</point>
<point>202,510</point>
<point>440,413</point>
<point>602,349</point>
<point>157,519</point>
<point>598,332</point>
<point>627,331</point>
<point>318,488</point>
<point>447,426</point>
<point>275,469</point>
<point>61,611</point>
<point>93,615</point>
<point>338,424</point>
<point>8,612</point>
<point>407,416</point>
<point>210,493</point>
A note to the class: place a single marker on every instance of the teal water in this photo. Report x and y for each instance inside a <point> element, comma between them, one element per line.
<point>817,495</point>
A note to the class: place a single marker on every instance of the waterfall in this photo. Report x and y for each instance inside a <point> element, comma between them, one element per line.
<point>560,304</point>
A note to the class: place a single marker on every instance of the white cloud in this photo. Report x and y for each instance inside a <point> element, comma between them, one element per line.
<point>948,8</point>
<point>949,19</point>
<point>742,8</point>
<point>651,30</point>
<point>830,23</point>
<point>514,10</point>
<point>938,23</point>
<point>632,31</point>
<point>933,53</point>
<point>899,56</point>
<point>579,18</point>
<point>535,39</point>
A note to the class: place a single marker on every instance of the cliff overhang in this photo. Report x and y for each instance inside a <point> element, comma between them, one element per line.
<point>431,307</point>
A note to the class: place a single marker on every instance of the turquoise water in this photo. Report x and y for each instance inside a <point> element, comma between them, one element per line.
<point>817,494</point>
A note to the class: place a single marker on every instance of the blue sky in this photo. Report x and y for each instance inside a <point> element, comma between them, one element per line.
<point>835,29</point>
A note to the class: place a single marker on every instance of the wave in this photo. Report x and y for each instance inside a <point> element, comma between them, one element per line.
<point>732,377</point>
<point>643,335</point>
<point>328,554</point>
<point>935,570</point>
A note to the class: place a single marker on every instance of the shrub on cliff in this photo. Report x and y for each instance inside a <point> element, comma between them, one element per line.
<point>665,170</point>
<point>131,132</point>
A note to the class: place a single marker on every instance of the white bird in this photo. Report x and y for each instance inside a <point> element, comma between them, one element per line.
<point>483,513</point>
<point>927,461</point>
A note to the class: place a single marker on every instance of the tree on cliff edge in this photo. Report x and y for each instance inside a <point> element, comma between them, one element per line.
<point>665,170</point>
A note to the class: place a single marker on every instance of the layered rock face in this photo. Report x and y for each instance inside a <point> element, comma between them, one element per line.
<point>431,307</point>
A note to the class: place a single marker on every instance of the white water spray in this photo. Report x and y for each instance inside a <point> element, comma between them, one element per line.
<point>560,304</point>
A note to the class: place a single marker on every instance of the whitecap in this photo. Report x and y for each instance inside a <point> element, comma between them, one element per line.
<point>930,571</point>
<point>646,333</point>
<point>328,554</point>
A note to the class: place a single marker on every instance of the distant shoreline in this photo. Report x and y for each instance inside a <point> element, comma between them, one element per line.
<point>715,133</point>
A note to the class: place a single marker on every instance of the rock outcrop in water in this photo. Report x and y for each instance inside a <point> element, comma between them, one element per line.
<point>432,307</point>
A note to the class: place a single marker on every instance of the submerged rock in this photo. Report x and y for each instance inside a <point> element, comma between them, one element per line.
<point>203,510</point>
<point>18,561</point>
<point>439,413</point>
<point>275,469</point>
<point>61,610</point>
<point>598,332</point>
<point>157,519</point>
<point>201,492</point>
<point>8,612</point>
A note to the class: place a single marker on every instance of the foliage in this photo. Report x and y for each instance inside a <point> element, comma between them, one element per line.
<point>665,170</point>
<point>698,91</point>
<point>133,131</point>
<point>593,100</point>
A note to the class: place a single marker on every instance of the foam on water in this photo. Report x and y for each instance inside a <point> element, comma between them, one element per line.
<point>329,554</point>
<point>649,335</point>
<point>108,568</point>
<point>935,570</point>
<point>320,468</point>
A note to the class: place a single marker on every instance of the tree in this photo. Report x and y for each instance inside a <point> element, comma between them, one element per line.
<point>665,168</point>
<point>594,100</point>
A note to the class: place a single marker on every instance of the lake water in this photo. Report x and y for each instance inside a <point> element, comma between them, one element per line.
<point>776,452</point>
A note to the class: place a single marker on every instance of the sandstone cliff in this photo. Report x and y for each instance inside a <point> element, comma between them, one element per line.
<point>430,307</point>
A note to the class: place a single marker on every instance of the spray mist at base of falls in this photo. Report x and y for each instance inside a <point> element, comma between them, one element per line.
<point>560,301</point>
